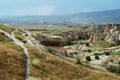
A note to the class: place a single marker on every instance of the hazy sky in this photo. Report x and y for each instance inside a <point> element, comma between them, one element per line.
<point>54,7</point>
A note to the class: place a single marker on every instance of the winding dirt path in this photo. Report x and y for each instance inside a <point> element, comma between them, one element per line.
<point>21,44</point>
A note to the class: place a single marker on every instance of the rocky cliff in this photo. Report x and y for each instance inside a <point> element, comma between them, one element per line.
<point>109,33</point>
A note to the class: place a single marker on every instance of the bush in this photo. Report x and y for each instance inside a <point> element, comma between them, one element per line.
<point>49,50</point>
<point>88,51</point>
<point>87,44</point>
<point>95,53</point>
<point>97,57</point>
<point>78,61</point>
<point>107,53</point>
<point>113,69</point>
<point>88,58</point>
<point>71,55</point>
<point>69,43</point>
<point>118,69</point>
<point>118,63</point>
<point>111,45</point>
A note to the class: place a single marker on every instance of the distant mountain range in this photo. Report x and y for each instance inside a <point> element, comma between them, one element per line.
<point>100,17</point>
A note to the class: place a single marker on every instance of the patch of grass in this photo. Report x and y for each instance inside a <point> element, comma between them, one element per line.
<point>102,44</point>
<point>4,40</point>
<point>12,64</point>
<point>6,28</point>
<point>14,46</point>
<point>114,69</point>
<point>116,53</point>
<point>19,35</point>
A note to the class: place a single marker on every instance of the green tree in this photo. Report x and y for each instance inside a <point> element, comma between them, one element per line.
<point>87,44</point>
<point>97,57</point>
<point>88,58</point>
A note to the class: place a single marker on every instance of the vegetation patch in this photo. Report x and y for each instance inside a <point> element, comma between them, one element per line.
<point>102,44</point>
<point>6,28</point>
<point>19,35</point>
<point>113,68</point>
<point>12,64</point>
<point>4,40</point>
<point>88,58</point>
<point>116,53</point>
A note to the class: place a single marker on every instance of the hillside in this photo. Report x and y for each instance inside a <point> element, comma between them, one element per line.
<point>11,59</point>
<point>50,67</point>
<point>43,64</point>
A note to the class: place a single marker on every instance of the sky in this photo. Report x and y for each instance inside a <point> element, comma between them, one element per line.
<point>54,7</point>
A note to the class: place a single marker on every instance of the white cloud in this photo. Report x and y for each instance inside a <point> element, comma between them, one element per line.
<point>42,10</point>
<point>45,10</point>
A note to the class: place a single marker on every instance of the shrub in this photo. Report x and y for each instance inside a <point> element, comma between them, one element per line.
<point>88,58</point>
<point>87,44</point>
<point>71,55</point>
<point>97,57</point>
<point>118,63</point>
<point>69,43</point>
<point>111,60</point>
<point>118,69</point>
<point>78,61</point>
<point>49,50</point>
<point>107,53</point>
<point>88,50</point>
<point>111,45</point>
<point>95,53</point>
<point>113,69</point>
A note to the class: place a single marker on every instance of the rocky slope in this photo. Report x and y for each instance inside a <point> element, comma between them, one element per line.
<point>109,33</point>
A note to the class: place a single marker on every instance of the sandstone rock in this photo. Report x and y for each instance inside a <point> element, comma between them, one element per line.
<point>93,38</point>
<point>47,39</point>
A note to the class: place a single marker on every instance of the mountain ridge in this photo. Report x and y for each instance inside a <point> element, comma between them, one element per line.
<point>97,17</point>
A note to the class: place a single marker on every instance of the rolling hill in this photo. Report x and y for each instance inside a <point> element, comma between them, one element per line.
<point>100,17</point>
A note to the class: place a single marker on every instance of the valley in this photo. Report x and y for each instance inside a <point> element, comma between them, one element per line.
<point>60,53</point>
<point>100,43</point>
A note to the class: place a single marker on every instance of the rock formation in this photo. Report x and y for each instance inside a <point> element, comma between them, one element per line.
<point>108,32</point>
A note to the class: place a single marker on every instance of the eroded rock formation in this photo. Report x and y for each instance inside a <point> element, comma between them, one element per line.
<point>108,32</point>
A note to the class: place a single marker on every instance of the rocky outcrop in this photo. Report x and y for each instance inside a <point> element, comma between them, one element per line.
<point>51,42</point>
<point>109,33</point>
<point>47,39</point>
<point>93,38</point>
<point>113,39</point>
<point>75,35</point>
